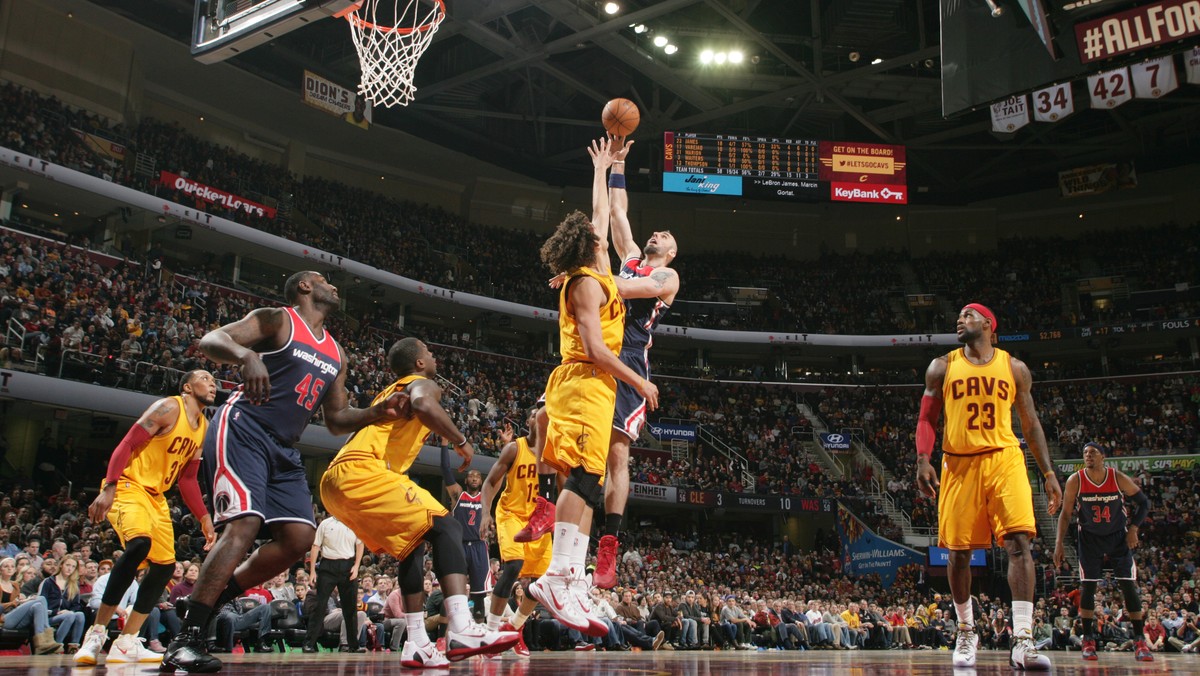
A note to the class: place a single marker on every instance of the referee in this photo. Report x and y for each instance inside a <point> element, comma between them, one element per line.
<point>340,552</point>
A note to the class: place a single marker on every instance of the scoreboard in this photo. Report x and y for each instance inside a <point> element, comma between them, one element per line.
<point>765,167</point>
<point>759,167</point>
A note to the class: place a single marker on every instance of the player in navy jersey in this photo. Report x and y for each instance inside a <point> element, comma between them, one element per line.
<point>468,509</point>
<point>290,367</point>
<point>648,286</point>
<point>1102,494</point>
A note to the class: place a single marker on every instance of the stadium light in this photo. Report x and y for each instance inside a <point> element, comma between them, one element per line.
<point>876,61</point>
<point>706,56</point>
<point>611,8</point>
<point>720,57</point>
<point>736,56</point>
<point>640,28</point>
<point>670,49</point>
<point>660,41</point>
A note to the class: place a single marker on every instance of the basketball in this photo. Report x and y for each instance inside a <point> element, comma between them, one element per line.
<point>620,117</point>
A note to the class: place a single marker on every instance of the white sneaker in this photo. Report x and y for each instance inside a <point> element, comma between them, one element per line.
<point>423,657</point>
<point>1025,654</point>
<point>129,648</point>
<point>965,646</point>
<point>580,585</point>
<point>477,639</point>
<point>554,592</point>
<point>93,643</point>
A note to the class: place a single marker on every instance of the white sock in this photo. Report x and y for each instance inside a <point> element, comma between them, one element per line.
<point>416,628</point>
<point>494,621</point>
<point>518,620</point>
<point>458,613</point>
<point>564,543</point>
<point>579,553</point>
<point>966,613</point>
<point>1022,618</point>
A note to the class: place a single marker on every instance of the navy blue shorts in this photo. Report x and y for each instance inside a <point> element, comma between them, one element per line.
<point>630,412</point>
<point>1094,549</point>
<point>476,552</point>
<point>252,473</point>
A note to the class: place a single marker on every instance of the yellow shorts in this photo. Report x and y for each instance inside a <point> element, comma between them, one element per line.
<point>389,512</point>
<point>579,401</point>
<point>136,513</point>
<point>536,554</point>
<point>984,495</point>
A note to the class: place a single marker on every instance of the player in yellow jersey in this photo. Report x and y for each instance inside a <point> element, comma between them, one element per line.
<point>984,486</point>
<point>162,447</point>
<point>581,393</point>
<point>368,488</point>
<point>517,469</point>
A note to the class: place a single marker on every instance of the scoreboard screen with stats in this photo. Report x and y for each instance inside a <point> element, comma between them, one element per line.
<point>758,167</point>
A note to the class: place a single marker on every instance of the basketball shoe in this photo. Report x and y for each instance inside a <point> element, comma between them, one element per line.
<point>605,576</point>
<point>128,648</point>
<point>1142,652</point>
<point>423,656</point>
<point>520,648</point>
<point>540,522</point>
<point>477,639</point>
<point>188,652</point>
<point>580,584</point>
<point>93,643</point>
<point>1025,655</point>
<point>1089,651</point>
<point>554,592</point>
<point>965,646</point>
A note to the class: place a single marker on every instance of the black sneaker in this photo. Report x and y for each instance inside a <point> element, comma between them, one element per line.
<point>188,652</point>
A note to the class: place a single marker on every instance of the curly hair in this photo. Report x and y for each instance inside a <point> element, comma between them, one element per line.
<point>572,246</point>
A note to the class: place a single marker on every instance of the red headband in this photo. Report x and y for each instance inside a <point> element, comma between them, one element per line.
<point>987,314</point>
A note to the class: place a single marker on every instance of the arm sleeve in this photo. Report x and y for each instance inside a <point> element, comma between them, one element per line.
<point>447,473</point>
<point>1141,508</point>
<point>189,490</point>
<point>931,410</point>
<point>135,439</point>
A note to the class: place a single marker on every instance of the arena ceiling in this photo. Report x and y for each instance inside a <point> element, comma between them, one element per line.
<point>521,83</point>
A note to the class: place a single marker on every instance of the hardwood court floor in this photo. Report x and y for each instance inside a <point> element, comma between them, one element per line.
<point>872,663</point>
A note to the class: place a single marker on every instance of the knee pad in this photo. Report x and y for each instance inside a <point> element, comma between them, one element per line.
<point>125,569</point>
<point>1133,602</point>
<point>509,572</point>
<point>412,571</point>
<point>446,537</point>
<point>152,587</point>
<point>1087,596</point>
<point>587,486</point>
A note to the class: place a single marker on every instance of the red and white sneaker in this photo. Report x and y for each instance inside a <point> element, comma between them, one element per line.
<point>129,648</point>
<point>1089,651</point>
<point>605,575</point>
<point>520,648</point>
<point>554,592</point>
<point>580,586</point>
<point>423,657</point>
<point>1142,652</point>
<point>477,639</point>
<point>540,523</point>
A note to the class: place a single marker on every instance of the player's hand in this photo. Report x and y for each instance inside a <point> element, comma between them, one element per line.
<point>485,522</point>
<point>621,146</point>
<point>1131,537</point>
<point>256,382</point>
<point>601,152</point>
<point>98,510</point>
<point>649,392</point>
<point>466,452</point>
<point>506,437</point>
<point>1058,555</point>
<point>927,478</point>
<point>210,533</point>
<point>557,281</point>
<point>1053,494</point>
<point>397,405</point>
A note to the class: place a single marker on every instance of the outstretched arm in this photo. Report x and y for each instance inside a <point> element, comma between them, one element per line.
<point>602,159</point>
<point>622,231</point>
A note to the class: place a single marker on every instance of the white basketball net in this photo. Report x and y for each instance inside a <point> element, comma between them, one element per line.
<point>388,52</point>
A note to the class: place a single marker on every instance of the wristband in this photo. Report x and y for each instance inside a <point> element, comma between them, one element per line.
<point>1048,473</point>
<point>462,443</point>
<point>616,181</point>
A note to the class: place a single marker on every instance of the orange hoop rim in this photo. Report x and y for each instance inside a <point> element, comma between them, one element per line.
<point>351,14</point>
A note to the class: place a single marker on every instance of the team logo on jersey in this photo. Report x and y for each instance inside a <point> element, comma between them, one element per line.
<point>581,441</point>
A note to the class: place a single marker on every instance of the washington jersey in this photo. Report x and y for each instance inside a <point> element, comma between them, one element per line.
<point>467,510</point>
<point>642,314</point>
<point>394,442</point>
<point>158,465</point>
<point>1101,506</point>
<point>612,318</point>
<point>520,492</point>
<point>978,400</point>
<point>301,373</point>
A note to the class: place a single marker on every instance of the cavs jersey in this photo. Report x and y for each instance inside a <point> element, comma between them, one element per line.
<point>157,466</point>
<point>395,442</point>
<point>612,318</point>
<point>978,399</point>
<point>644,314</point>
<point>301,373</point>
<point>1101,505</point>
<point>520,493</point>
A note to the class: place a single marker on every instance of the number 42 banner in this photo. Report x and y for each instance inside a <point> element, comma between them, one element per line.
<point>1053,103</point>
<point>1110,89</point>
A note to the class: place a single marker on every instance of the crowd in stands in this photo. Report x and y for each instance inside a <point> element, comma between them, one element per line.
<point>846,294</point>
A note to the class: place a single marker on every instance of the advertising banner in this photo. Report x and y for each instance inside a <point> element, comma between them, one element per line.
<point>652,493</point>
<point>835,441</point>
<point>101,146</point>
<point>703,184</point>
<point>336,100</point>
<point>1150,25</point>
<point>1134,465</point>
<point>214,195</point>
<point>864,172</point>
<point>865,553</point>
<point>663,431</point>
<point>940,556</point>
<point>1096,179</point>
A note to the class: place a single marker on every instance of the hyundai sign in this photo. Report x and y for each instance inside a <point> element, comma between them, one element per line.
<point>835,441</point>
<point>664,432</point>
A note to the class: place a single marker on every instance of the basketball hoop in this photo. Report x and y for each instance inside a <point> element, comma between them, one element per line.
<point>388,54</point>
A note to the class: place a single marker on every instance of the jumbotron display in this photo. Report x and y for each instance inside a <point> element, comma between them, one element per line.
<point>763,167</point>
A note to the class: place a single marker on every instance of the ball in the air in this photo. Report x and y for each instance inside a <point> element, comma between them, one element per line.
<point>620,117</point>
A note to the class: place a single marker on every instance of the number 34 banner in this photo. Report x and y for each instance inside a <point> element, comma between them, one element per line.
<point>1053,103</point>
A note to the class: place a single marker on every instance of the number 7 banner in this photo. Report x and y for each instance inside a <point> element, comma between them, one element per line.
<point>1110,89</point>
<point>1154,78</point>
<point>1053,103</point>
